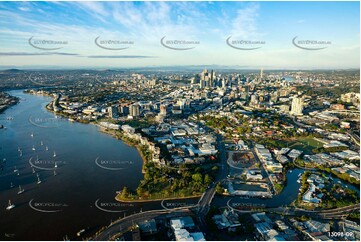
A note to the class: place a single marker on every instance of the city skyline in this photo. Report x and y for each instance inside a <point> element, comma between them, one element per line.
<point>145,28</point>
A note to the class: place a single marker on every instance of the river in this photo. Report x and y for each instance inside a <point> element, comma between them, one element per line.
<point>64,202</point>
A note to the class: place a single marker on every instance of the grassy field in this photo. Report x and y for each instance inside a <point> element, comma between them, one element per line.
<point>305,144</point>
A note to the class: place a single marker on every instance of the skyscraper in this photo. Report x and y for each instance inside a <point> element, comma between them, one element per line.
<point>163,110</point>
<point>113,112</point>
<point>207,78</point>
<point>134,110</point>
<point>297,105</point>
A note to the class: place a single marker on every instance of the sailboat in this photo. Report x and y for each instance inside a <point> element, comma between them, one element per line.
<point>21,190</point>
<point>46,148</point>
<point>18,173</point>
<point>33,147</point>
<point>41,143</point>
<point>54,154</point>
<point>39,181</point>
<point>55,166</point>
<point>54,172</point>
<point>32,134</point>
<point>11,185</point>
<point>10,206</point>
<point>19,149</point>
<point>15,170</point>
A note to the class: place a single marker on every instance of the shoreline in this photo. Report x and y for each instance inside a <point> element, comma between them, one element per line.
<point>3,109</point>
<point>106,131</point>
<point>154,200</point>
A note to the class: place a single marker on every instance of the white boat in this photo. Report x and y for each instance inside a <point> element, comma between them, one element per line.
<point>54,154</point>
<point>11,185</point>
<point>21,190</point>
<point>10,206</point>
<point>19,149</point>
<point>33,147</point>
<point>41,143</point>
<point>54,173</point>
<point>39,181</point>
<point>15,170</point>
<point>21,153</point>
<point>80,232</point>
<point>46,148</point>
<point>32,135</point>
<point>18,173</point>
<point>56,165</point>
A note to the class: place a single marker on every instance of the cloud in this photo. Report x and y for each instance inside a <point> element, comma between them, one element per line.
<point>34,54</point>
<point>245,23</point>
<point>95,9</point>
<point>121,56</point>
<point>24,9</point>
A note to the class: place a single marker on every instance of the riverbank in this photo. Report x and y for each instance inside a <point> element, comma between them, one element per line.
<point>118,136</point>
<point>153,200</point>
<point>9,102</point>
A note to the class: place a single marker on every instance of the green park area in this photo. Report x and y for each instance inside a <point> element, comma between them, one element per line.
<point>306,144</point>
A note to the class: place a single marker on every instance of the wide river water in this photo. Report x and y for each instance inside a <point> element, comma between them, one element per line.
<point>63,204</point>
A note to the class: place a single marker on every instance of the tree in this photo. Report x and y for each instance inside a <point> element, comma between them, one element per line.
<point>125,192</point>
<point>197,180</point>
<point>207,179</point>
<point>140,191</point>
<point>215,168</point>
<point>219,188</point>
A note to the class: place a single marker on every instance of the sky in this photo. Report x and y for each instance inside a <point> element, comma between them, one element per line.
<point>140,34</point>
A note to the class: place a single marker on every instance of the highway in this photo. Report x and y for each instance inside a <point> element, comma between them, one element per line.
<point>123,225</point>
<point>335,213</point>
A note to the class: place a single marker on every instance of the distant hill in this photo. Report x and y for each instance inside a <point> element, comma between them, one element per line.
<point>11,71</point>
